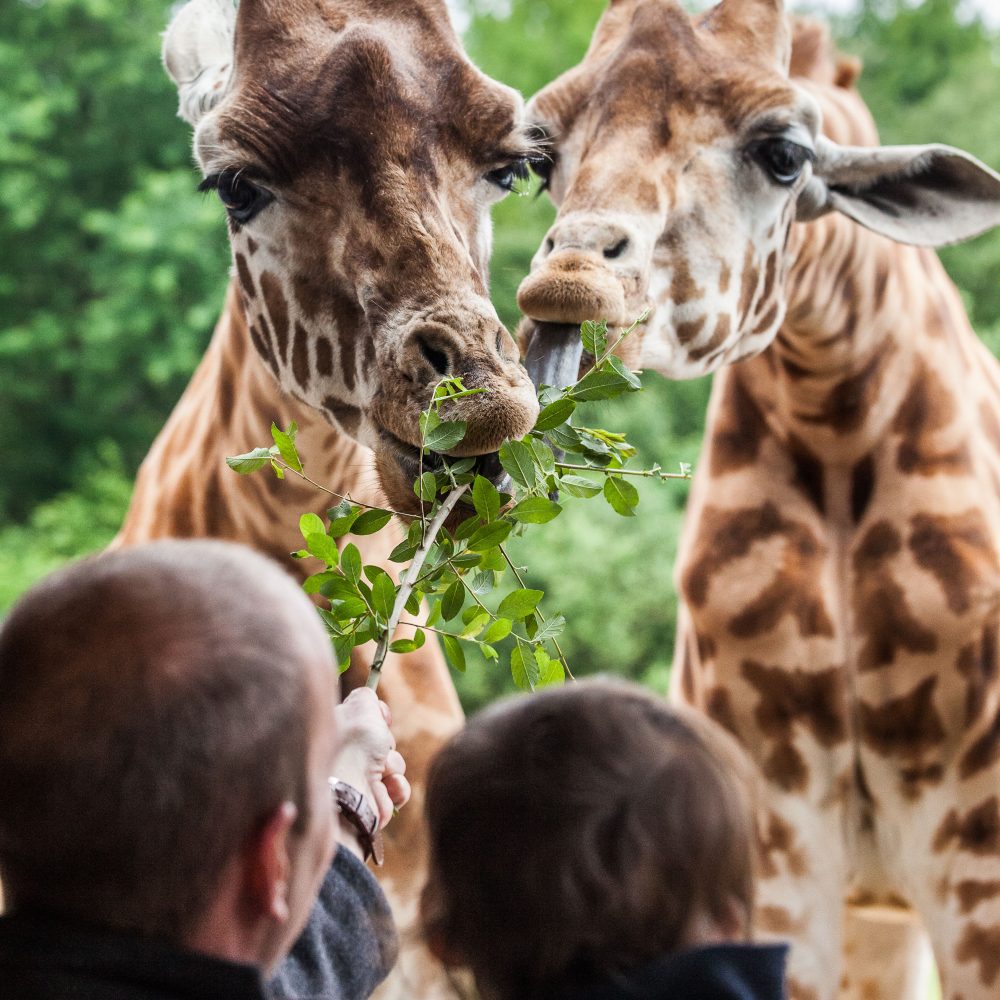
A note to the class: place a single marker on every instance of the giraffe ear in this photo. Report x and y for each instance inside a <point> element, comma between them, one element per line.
<point>198,54</point>
<point>924,195</point>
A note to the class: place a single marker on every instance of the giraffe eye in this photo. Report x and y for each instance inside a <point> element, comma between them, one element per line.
<point>243,199</point>
<point>783,159</point>
<point>507,176</point>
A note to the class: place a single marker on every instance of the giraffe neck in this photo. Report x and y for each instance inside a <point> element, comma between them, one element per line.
<point>185,489</point>
<point>862,313</point>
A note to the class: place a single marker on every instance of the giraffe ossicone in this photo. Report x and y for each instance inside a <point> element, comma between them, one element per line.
<point>358,153</point>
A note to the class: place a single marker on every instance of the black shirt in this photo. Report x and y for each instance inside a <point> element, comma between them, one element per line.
<point>345,951</point>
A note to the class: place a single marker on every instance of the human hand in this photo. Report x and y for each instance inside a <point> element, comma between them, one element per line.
<point>368,757</point>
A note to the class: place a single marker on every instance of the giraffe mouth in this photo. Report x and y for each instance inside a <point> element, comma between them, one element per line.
<point>408,459</point>
<point>554,353</point>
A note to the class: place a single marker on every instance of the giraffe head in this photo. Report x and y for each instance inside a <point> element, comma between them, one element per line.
<point>680,154</point>
<point>358,153</point>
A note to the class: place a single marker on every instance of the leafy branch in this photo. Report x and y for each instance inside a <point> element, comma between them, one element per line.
<point>459,570</point>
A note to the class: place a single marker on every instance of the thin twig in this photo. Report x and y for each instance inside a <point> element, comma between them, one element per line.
<point>541,617</point>
<point>408,579</point>
<point>325,489</point>
<point>645,473</point>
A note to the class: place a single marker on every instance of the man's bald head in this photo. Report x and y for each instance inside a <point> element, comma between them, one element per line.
<point>154,709</point>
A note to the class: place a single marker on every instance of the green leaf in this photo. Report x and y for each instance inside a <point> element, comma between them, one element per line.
<point>342,518</point>
<point>250,462</point>
<point>555,414</point>
<point>600,383</point>
<point>622,495</point>
<point>285,440</point>
<point>489,653</point>
<point>350,562</point>
<point>348,608</point>
<point>500,629</point>
<point>550,671</point>
<point>408,645</point>
<point>485,499</point>
<point>403,552</point>
<point>482,582</point>
<point>467,527</point>
<point>489,536</point>
<point>445,436</point>
<point>311,524</point>
<point>594,336</point>
<point>342,648</point>
<point>578,486</point>
<point>322,546</point>
<point>434,615</point>
<point>516,457</point>
<point>466,560</point>
<point>536,510</point>
<point>530,625</point>
<point>551,628</point>
<point>314,584</point>
<point>371,521</point>
<point>565,438</point>
<point>523,668</point>
<point>277,469</point>
<point>413,603</point>
<point>454,652</point>
<point>628,375</point>
<point>454,598</point>
<point>300,554</point>
<point>337,587</point>
<point>476,625</point>
<point>429,420</point>
<point>544,458</point>
<point>426,487</point>
<point>519,603</point>
<point>383,596</point>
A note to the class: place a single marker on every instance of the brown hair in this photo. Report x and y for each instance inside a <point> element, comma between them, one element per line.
<point>153,711</point>
<point>575,834</point>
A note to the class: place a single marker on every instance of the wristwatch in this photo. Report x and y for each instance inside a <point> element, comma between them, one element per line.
<point>358,814</point>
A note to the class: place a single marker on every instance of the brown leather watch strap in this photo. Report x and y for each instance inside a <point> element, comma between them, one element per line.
<point>359,815</point>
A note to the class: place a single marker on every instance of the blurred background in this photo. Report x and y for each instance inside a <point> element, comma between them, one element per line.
<point>112,270</point>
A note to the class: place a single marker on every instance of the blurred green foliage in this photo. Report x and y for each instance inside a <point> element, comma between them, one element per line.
<point>112,270</point>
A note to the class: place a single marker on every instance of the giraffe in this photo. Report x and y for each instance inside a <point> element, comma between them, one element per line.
<point>357,152</point>
<point>839,568</point>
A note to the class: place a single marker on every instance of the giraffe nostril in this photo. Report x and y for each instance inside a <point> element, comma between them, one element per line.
<point>617,250</point>
<point>434,356</point>
<point>549,245</point>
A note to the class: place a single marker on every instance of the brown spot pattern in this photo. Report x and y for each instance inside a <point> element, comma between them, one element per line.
<point>813,699</point>
<point>277,310</point>
<point>984,752</point>
<point>880,606</point>
<point>300,355</point>
<point>777,837</point>
<point>981,945</point>
<point>847,404</point>
<point>972,892</point>
<point>740,432</point>
<point>795,590</point>
<point>958,551</point>
<point>905,726</point>
<point>977,832</point>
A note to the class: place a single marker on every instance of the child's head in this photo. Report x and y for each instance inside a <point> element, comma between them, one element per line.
<point>582,831</point>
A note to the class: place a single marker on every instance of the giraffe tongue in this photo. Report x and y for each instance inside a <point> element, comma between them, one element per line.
<point>553,355</point>
<point>553,358</point>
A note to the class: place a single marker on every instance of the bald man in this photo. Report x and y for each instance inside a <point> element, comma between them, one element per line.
<point>169,729</point>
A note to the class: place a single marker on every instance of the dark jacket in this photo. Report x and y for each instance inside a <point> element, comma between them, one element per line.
<point>716,972</point>
<point>345,951</point>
